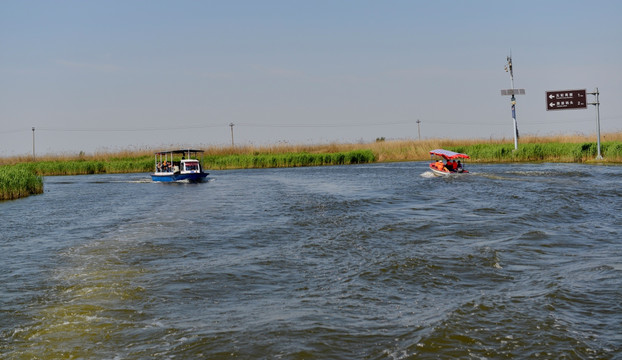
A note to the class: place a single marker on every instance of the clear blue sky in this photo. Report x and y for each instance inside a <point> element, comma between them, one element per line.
<point>115,75</point>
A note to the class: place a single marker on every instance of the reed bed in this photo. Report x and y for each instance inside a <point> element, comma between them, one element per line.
<point>561,148</point>
<point>554,152</point>
<point>18,181</point>
<point>145,163</point>
<point>275,160</point>
<point>20,176</point>
<point>87,167</point>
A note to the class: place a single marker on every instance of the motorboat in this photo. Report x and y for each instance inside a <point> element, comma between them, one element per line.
<point>178,166</point>
<point>452,165</point>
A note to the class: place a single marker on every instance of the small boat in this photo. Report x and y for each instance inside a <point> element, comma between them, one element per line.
<point>178,165</point>
<point>439,168</point>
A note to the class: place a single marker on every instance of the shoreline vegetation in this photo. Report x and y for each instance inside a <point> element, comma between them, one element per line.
<point>21,176</point>
<point>17,182</point>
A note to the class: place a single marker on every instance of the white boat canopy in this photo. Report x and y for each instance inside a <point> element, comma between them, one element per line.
<point>448,155</point>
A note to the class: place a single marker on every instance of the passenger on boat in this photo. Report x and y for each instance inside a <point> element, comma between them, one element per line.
<point>440,166</point>
<point>459,167</point>
<point>454,166</point>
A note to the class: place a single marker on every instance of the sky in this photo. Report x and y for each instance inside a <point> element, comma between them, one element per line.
<point>107,76</point>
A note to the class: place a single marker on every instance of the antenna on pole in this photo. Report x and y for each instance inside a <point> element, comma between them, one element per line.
<point>232,125</point>
<point>419,128</point>
<point>512,92</point>
<point>33,143</point>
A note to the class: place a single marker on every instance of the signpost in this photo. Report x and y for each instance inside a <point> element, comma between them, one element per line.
<point>513,92</point>
<point>574,99</point>
<point>566,99</point>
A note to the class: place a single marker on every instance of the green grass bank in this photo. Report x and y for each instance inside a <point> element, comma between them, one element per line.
<point>22,177</point>
<point>87,167</point>
<point>551,152</point>
<point>17,181</point>
<point>145,163</point>
<point>246,161</point>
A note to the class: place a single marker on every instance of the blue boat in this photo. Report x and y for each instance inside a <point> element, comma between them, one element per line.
<point>178,166</point>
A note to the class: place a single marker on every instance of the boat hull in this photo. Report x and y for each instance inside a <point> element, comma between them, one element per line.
<point>438,172</point>
<point>167,177</point>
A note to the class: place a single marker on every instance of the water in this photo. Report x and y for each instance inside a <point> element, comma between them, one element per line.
<point>375,261</point>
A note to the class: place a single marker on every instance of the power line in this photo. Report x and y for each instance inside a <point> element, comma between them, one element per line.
<point>325,124</point>
<point>286,125</point>
<point>14,131</point>
<point>128,129</point>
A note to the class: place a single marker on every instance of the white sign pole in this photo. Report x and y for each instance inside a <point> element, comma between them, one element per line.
<point>508,68</point>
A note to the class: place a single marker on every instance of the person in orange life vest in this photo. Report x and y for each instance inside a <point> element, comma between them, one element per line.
<point>441,166</point>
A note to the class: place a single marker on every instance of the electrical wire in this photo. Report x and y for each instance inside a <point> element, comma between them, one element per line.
<point>285,125</point>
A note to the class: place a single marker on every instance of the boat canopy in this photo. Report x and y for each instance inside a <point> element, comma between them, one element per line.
<point>448,155</point>
<point>187,151</point>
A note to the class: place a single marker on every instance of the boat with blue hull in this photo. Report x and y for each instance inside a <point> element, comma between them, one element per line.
<point>178,166</point>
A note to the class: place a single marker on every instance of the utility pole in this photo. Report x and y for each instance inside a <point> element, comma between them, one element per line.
<point>512,91</point>
<point>419,128</point>
<point>33,143</point>
<point>232,143</point>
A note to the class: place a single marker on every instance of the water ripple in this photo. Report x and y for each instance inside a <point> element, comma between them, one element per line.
<point>358,262</point>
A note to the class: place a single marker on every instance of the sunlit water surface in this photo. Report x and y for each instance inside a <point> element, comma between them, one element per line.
<point>377,261</point>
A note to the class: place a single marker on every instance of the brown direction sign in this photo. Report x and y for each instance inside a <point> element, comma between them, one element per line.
<point>566,99</point>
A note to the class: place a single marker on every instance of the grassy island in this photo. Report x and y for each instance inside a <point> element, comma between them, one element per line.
<point>20,176</point>
<point>17,182</point>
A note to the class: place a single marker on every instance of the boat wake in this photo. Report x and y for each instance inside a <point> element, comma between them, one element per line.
<point>138,181</point>
<point>131,181</point>
<point>185,181</point>
<point>427,174</point>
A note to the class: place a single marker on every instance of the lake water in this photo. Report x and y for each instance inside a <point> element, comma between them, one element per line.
<point>377,261</point>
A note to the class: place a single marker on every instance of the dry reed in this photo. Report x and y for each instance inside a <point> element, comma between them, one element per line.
<point>384,151</point>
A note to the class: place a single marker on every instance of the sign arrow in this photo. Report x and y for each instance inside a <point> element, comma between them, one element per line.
<point>566,99</point>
